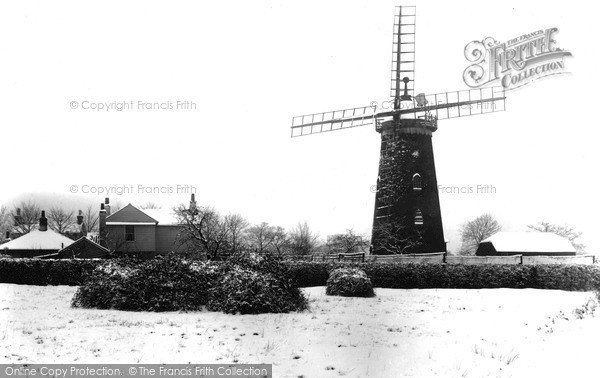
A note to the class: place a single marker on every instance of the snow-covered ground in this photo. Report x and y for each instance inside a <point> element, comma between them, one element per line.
<point>448,333</point>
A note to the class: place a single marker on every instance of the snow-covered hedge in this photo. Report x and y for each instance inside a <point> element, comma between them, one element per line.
<point>45,272</point>
<point>424,276</point>
<point>349,282</point>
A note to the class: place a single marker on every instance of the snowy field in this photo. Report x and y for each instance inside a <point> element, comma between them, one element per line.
<point>420,333</point>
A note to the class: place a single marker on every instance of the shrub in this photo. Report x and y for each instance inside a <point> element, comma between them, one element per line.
<point>166,284</point>
<point>254,284</point>
<point>247,291</point>
<point>245,283</point>
<point>349,282</point>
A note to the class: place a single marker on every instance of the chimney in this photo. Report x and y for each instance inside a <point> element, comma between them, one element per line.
<point>43,222</point>
<point>193,203</point>
<point>7,235</point>
<point>18,217</point>
<point>107,206</point>
<point>80,218</point>
<point>102,226</point>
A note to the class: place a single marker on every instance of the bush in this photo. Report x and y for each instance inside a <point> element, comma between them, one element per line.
<point>249,291</point>
<point>166,284</point>
<point>45,272</point>
<point>256,284</point>
<point>245,283</point>
<point>349,282</point>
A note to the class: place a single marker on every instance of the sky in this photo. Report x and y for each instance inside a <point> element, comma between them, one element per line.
<point>241,69</point>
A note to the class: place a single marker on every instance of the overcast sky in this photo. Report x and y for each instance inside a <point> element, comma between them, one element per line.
<point>249,66</point>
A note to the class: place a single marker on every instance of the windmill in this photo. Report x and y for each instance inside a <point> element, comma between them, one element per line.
<point>407,216</point>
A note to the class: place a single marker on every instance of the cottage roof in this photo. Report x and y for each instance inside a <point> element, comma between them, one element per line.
<point>130,215</point>
<point>36,239</point>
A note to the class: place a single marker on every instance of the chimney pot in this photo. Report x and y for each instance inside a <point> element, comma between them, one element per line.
<point>7,234</point>
<point>18,211</point>
<point>101,206</point>
<point>192,208</point>
<point>43,222</point>
<point>106,201</point>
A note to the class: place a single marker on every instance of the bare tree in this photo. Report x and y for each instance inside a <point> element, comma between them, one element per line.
<point>203,231</point>
<point>60,220</point>
<point>348,242</point>
<point>475,231</point>
<point>150,205</point>
<point>396,239</point>
<point>236,227</point>
<point>5,222</point>
<point>260,237</point>
<point>564,231</point>
<point>263,237</point>
<point>90,218</point>
<point>280,241</point>
<point>26,217</point>
<point>302,240</point>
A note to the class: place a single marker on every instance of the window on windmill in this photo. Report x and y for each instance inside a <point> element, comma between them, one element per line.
<point>417,182</point>
<point>129,233</point>
<point>418,218</point>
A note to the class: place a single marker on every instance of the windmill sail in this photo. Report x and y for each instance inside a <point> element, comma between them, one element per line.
<point>403,51</point>
<point>330,121</point>
<point>452,104</point>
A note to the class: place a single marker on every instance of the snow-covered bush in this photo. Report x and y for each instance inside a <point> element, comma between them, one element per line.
<point>349,282</point>
<point>165,284</point>
<point>256,284</point>
<point>247,291</point>
<point>246,283</point>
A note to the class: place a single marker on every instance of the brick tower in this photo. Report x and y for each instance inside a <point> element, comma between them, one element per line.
<point>407,215</point>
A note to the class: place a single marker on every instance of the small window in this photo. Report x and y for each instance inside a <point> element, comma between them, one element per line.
<point>129,233</point>
<point>418,218</point>
<point>416,181</point>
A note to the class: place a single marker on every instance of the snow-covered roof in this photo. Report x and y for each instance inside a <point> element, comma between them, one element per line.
<point>37,239</point>
<point>529,242</point>
<point>131,215</point>
<point>164,217</point>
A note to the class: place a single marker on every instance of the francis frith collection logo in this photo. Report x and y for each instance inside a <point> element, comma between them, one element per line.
<point>515,63</point>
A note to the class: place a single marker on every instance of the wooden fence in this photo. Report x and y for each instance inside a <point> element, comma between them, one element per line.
<point>579,260</point>
<point>476,260</point>
<point>443,258</point>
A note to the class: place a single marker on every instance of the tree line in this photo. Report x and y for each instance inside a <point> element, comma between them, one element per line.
<point>204,230</point>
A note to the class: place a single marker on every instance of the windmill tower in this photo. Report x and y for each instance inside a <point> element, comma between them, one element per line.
<point>407,216</point>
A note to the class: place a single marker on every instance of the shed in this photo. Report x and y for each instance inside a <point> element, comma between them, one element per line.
<point>525,243</point>
<point>82,248</point>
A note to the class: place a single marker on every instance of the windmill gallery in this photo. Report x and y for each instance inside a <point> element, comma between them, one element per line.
<point>407,216</point>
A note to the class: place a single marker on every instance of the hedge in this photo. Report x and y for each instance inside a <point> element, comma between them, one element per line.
<point>430,276</point>
<point>46,272</point>
<point>384,275</point>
